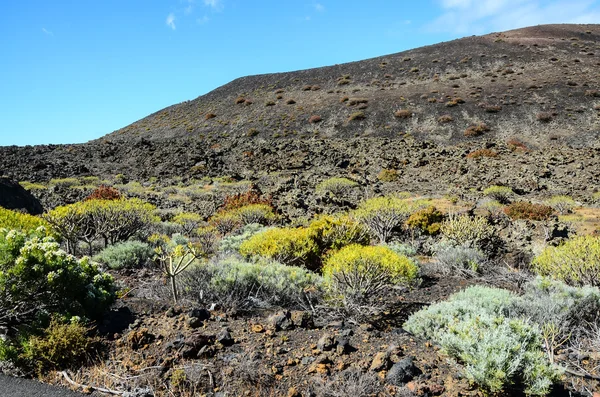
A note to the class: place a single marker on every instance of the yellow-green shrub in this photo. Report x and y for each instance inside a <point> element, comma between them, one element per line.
<point>427,220</point>
<point>358,273</point>
<point>576,262</point>
<point>467,231</point>
<point>14,220</point>
<point>226,221</point>
<point>501,194</point>
<point>335,232</point>
<point>291,246</point>
<point>188,221</point>
<point>335,187</point>
<point>64,182</point>
<point>562,204</point>
<point>27,185</point>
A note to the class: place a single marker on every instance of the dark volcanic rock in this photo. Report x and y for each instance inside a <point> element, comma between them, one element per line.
<point>14,197</point>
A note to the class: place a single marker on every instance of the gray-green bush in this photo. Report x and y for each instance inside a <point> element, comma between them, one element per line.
<point>128,254</point>
<point>231,243</point>
<point>458,259</point>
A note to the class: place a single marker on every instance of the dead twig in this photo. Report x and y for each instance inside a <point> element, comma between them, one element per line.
<point>100,389</point>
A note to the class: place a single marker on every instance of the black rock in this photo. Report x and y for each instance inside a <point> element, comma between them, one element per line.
<point>14,197</point>
<point>402,372</point>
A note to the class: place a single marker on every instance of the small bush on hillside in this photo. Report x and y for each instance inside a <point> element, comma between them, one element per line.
<point>256,213</point>
<point>467,231</point>
<point>402,249</point>
<point>31,186</point>
<point>64,182</point>
<point>476,130</point>
<point>235,283</point>
<point>242,199</point>
<point>188,222</point>
<point>334,232</point>
<point>403,114</point>
<point>381,215</point>
<point>387,175</point>
<point>290,246</point>
<point>61,346</point>
<point>225,221</point>
<point>427,221</point>
<point>530,211</point>
<point>458,260</point>
<point>231,244</point>
<point>562,204</point>
<point>360,275</point>
<point>482,153</point>
<point>104,192</point>
<point>357,116</point>
<point>497,352</point>
<point>128,254</point>
<point>576,261</point>
<point>13,220</point>
<point>336,187</point>
<point>502,194</point>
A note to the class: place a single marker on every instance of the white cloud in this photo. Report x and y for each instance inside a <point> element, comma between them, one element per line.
<point>47,32</point>
<point>481,16</point>
<point>215,4</point>
<point>319,7</point>
<point>171,21</point>
<point>203,20</point>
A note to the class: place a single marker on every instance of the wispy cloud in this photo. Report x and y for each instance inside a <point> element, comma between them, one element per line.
<point>203,20</point>
<point>47,32</point>
<point>319,7</point>
<point>480,16</point>
<point>190,7</point>
<point>214,4</point>
<point>171,21</point>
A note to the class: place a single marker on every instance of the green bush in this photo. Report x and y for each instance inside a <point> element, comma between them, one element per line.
<point>291,246</point>
<point>37,278</point>
<point>228,221</point>
<point>467,231</point>
<point>562,204</point>
<point>336,187</point>
<point>457,259</point>
<point>502,194</point>
<point>128,254</point>
<point>388,175</point>
<point>61,346</point>
<point>332,232</point>
<point>188,222</point>
<point>231,244</point>
<point>427,221</point>
<point>381,215</point>
<point>360,274</point>
<point>497,352</point>
<point>576,262</point>
<point>26,223</point>
<point>64,182</point>
<point>235,283</point>
<point>530,211</point>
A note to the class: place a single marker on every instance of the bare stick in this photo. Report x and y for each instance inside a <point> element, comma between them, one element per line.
<point>100,389</point>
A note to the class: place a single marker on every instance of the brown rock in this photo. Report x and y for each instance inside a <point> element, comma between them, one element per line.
<point>292,392</point>
<point>257,328</point>
<point>381,362</point>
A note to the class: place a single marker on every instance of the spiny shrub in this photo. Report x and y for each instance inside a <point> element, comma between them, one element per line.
<point>334,232</point>
<point>23,222</point>
<point>62,345</point>
<point>476,130</point>
<point>381,215</point>
<point>359,275</point>
<point>128,254</point>
<point>467,231</point>
<point>335,187</point>
<point>516,145</point>
<point>498,352</point>
<point>576,261</point>
<point>427,221</point>
<point>290,246</point>
<point>104,192</point>
<point>562,204</point>
<point>36,277</point>
<point>227,221</point>
<point>502,194</point>
<point>236,283</point>
<point>530,211</point>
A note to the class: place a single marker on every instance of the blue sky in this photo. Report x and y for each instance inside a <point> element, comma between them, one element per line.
<point>71,71</point>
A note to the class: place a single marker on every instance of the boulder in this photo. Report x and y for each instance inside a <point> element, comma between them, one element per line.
<point>14,197</point>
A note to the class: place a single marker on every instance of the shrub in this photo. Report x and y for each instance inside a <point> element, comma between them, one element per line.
<point>23,222</point>
<point>562,204</point>
<point>128,254</point>
<point>334,232</point>
<point>497,352</point>
<point>494,208</point>
<point>576,261</point>
<point>445,118</point>
<point>467,231</point>
<point>64,182</point>
<point>104,192</point>
<point>457,259</point>
<point>516,145</point>
<point>209,116</point>
<point>357,116</point>
<point>381,215</point>
<point>482,153</point>
<point>403,114</point>
<point>387,175</point>
<point>502,194</point>
<point>427,221</point>
<point>335,187</point>
<point>544,117</point>
<point>36,278</point>
<point>240,284</point>
<point>31,186</point>
<point>62,345</point>
<point>290,246</point>
<point>188,222</point>
<point>256,213</point>
<point>476,130</point>
<point>231,244</point>
<point>526,210</point>
<point>315,119</point>
<point>360,275</point>
<point>225,221</point>
<point>242,199</point>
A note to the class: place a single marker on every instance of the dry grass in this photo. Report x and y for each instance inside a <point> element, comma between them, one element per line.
<point>585,220</point>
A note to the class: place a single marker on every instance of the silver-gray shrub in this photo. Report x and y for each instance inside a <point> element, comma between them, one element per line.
<point>235,283</point>
<point>231,243</point>
<point>458,259</point>
<point>497,351</point>
<point>128,254</point>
